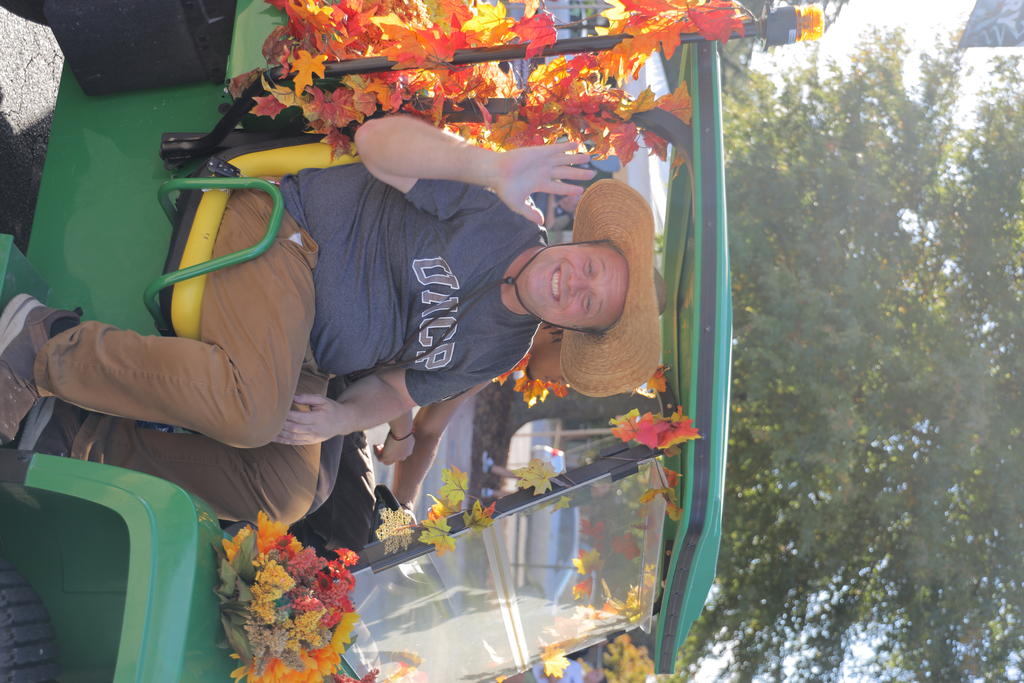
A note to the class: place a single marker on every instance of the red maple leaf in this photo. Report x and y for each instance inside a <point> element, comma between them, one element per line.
<point>335,108</point>
<point>626,546</point>
<point>650,430</point>
<point>659,148</point>
<point>583,588</point>
<point>592,530</point>
<point>717,20</point>
<point>623,141</point>
<point>267,106</point>
<point>538,31</point>
<point>339,142</point>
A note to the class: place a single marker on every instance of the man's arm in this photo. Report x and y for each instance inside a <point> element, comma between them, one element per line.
<point>399,150</point>
<point>428,427</point>
<point>371,401</point>
<point>398,444</point>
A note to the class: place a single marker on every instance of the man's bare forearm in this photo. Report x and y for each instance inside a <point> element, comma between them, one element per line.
<point>406,147</point>
<point>428,427</point>
<point>371,401</point>
<point>409,473</point>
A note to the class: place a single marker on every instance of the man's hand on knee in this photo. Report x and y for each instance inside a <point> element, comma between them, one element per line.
<point>313,419</point>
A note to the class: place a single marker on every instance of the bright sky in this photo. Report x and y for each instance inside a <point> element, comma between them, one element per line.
<point>925,22</point>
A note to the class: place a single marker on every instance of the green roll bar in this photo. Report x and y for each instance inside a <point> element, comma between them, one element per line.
<point>149,297</point>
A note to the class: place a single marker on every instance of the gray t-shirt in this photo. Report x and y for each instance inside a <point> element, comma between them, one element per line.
<point>393,267</point>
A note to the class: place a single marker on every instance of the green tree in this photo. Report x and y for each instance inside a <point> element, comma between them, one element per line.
<point>625,662</point>
<point>874,523</point>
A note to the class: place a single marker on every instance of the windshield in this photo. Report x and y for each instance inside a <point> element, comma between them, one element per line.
<point>550,577</point>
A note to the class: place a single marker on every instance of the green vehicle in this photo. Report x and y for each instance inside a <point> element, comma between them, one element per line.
<point>121,561</point>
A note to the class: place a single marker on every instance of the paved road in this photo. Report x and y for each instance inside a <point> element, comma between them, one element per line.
<point>29,75</point>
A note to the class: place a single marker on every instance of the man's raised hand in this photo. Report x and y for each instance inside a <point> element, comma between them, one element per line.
<point>524,171</point>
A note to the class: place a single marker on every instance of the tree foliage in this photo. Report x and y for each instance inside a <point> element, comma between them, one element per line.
<point>873,516</point>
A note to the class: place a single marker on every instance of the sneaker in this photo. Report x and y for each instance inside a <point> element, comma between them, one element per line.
<point>25,326</point>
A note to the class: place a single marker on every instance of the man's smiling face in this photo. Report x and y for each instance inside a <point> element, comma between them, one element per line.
<point>581,286</point>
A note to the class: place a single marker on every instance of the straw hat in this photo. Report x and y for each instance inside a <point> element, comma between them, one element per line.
<point>625,356</point>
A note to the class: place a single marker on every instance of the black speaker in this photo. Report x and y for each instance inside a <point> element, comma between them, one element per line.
<point>121,45</point>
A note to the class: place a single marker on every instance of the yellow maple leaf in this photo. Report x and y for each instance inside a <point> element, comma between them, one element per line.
<point>616,13</point>
<point>455,483</point>
<point>479,517</point>
<point>588,561</point>
<point>537,474</point>
<point>306,65</point>
<point>631,608</point>
<point>490,25</point>
<point>282,94</point>
<point>435,532</point>
<point>645,101</point>
<point>343,631</point>
<point>555,662</point>
<point>440,509</point>
<point>650,494</point>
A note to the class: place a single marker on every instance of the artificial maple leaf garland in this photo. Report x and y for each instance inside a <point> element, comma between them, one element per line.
<point>574,98</point>
<point>653,430</point>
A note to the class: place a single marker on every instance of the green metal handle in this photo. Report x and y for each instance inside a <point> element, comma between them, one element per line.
<point>241,256</point>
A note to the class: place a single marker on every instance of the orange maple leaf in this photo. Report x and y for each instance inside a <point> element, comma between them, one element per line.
<point>672,477</point>
<point>657,380</point>
<point>538,31</point>
<point>655,384</point>
<point>680,429</point>
<point>521,365</point>
<point>305,65</point>
<point>650,494</point>
<point>626,425</point>
<point>456,12</point>
<point>678,103</point>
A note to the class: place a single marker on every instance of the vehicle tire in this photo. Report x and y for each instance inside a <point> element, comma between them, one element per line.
<point>28,651</point>
<point>26,9</point>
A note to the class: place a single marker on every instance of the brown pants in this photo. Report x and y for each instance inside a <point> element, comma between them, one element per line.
<point>235,386</point>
